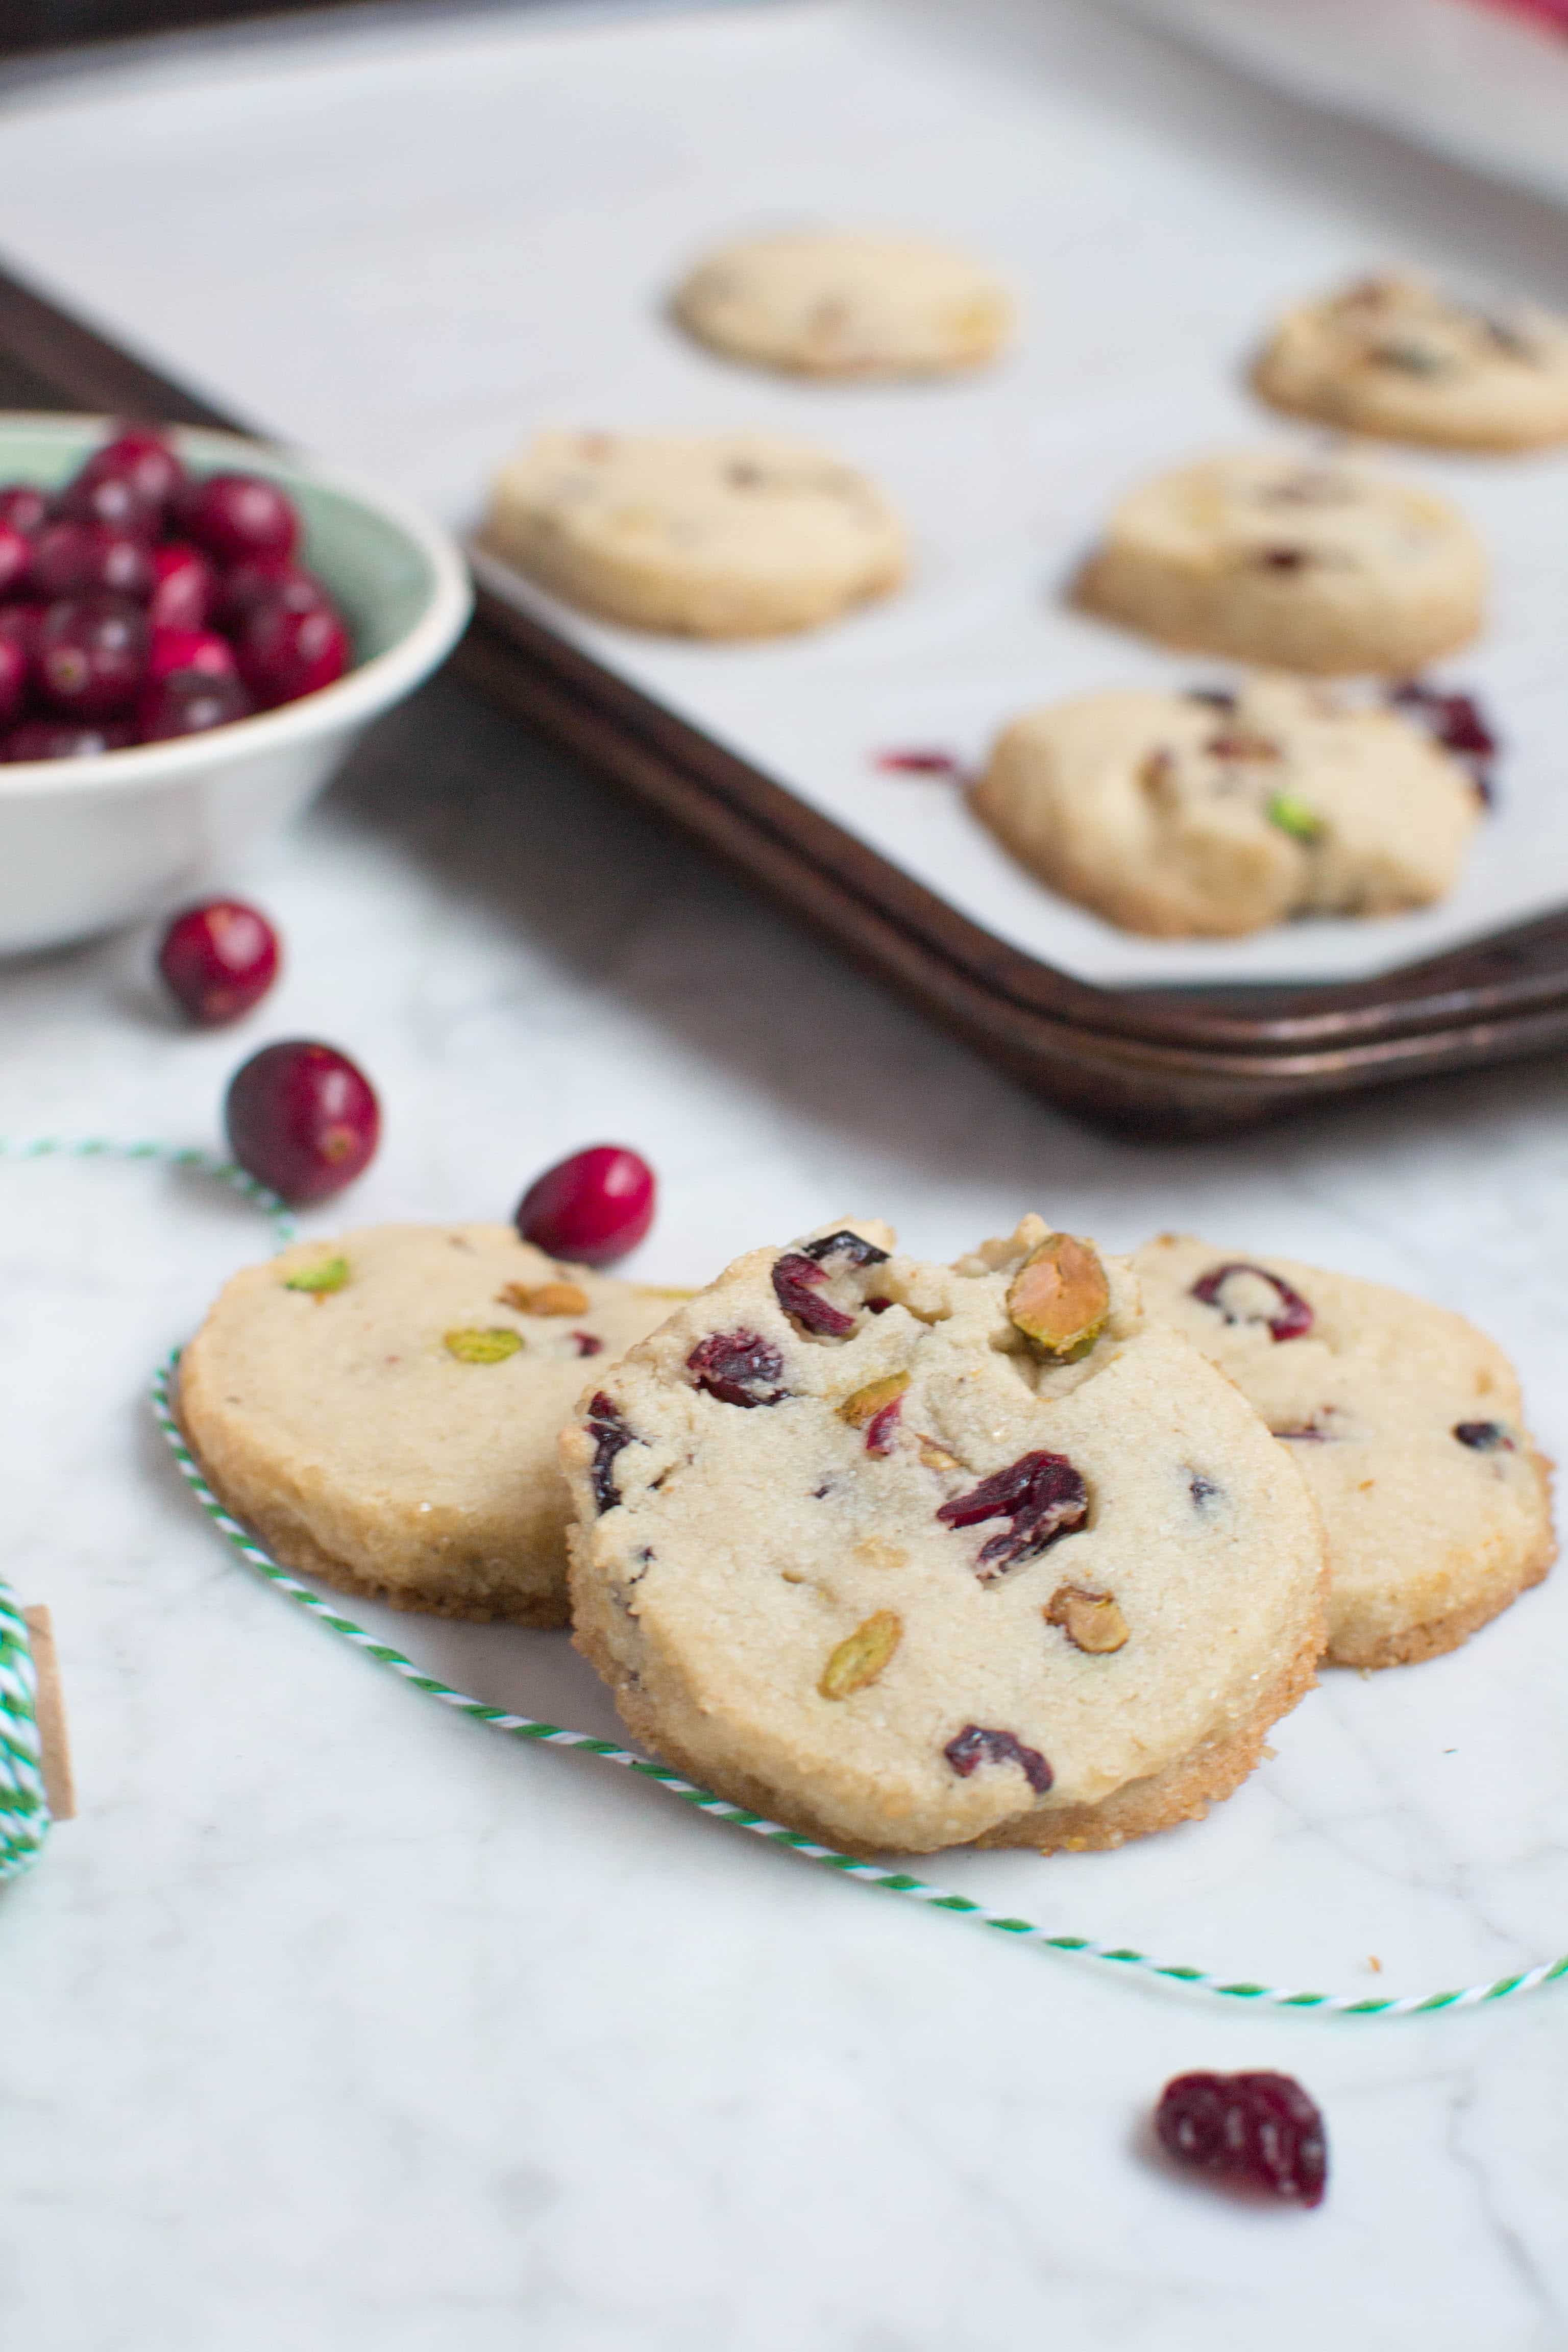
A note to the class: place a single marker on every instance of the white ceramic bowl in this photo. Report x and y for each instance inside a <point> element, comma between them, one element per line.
<point>86,845</point>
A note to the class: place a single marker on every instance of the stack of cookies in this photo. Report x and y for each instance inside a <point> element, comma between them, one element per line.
<point>1031,1550</point>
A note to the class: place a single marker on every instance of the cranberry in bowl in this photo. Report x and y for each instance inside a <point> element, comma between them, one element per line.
<point>127,782</point>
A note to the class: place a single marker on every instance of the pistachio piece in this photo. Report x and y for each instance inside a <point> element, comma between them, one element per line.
<point>544,1299</point>
<point>1292,815</point>
<point>878,1552</point>
<point>1091,1621</point>
<point>492,1347</point>
<point>865,1403</point>
<point>861,1657</point>
<point>936,1457</point>
<point>327,1275</point>
<point>1059,1298</point>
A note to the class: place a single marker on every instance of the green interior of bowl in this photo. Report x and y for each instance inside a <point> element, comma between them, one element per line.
<point>382,581</point>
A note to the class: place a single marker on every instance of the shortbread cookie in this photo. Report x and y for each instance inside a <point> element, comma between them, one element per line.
<point>1392,357</point>
<point>731,535</point>
<point>827,303</point>
<point>1211,813</point>
<point>1316,564</point>
<point>907,1555</point>
<point>1407,1424</point>
<point>383,1410</point>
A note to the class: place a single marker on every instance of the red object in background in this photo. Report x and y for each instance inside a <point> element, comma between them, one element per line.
<point>1552,13</point>
<point>24,508</point>
<point>92,655</point>
<point>65,738</point>
<point>238,517</point>
<point>248,586</point>
<point>79,559</point>
<point>283,654</point>
<point>145,461</point>
<point>189,702</point>
<point>302,1119</point>
<point>219,960</point>
<point>182,583</point>
<point>202,649</point>
<point>592,1208</point>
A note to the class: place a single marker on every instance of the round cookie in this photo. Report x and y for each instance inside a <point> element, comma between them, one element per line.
<point>831,304</point>
<point>728,535</point>
<point>383,1410</point>
<point>1407,1424</point>
<point>852,1552</point>
<point>1316,564</point>
<point>1209,815</point>
<point>1392,357</point>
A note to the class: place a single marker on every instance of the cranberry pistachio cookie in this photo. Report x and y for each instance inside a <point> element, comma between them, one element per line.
<point>908,1555</point>
<point>383,1410</point>
<point>1316,564</point>
<point>1212,814</point>
<point>1407,1424</point>
<point>1393,357</point>
<point>831,303</point>
<point>723,535</point>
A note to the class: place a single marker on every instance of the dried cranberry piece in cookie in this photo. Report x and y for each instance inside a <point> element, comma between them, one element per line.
<point>975,1745</point>
<point>610,1434</point>
<point>1484,1437</point>
<point>1294,1319</point>
<point>733,1365</point>
<point>851,1247</point>
<point>797,1279</point>
<point>1041,1496</point>
<point>1260,2128</point>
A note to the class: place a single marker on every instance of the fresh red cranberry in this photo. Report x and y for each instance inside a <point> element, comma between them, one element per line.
<point>1262,2128</point>
<point>92,654</point>
<point>14,667</point>
<point>975,1745</point>
<point>16,560</point>
<point>183,587</point>
<point>1041,1496</point>
<point>592,1208</point>
<point>610,1434</point>
<point>1294,1319</point>
<point>82,559</point>
<point>25,508</point>
<point>219,960</point>
<point>243,591</point>
<point>21,623</point>
<point>283,655</point>
<point>237,517</point>
<point>172,649</point>
<point>142,458</point>
<point>189,702</point>
<point>113,500</point>
<point>302,1120</point>
<point>58,739</point>
<point>733,1367</point>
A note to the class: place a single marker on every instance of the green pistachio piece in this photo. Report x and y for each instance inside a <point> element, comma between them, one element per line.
<point>1293,816</point>
<point>328,1273</point>
<point>858,1661</point>
<point>492,1347</point>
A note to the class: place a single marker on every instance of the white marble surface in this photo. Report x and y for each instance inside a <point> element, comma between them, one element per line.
<point>335,2022</point>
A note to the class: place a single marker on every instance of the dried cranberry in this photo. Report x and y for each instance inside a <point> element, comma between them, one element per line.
<point>59,738</point>
<point>1258,2128</point>
<point>283,655</point>
<point>113,500</point>
<point>610,1435</point>
<point>238,517</point>
<point>734,1365</point>
<point>250,585</point>
<point>14,669</point>
<point>878,1305</point>
<point>1484,1437</point>
<point>1294,1319</point>
<point>302,1120</point>
<point>1042,1497</point>
<point>1454,719</point>
<point>592,1208</point>
<point>587,1345</point>
<point>975,1745</point>
<point>219,960</point>
<point>181,587</point>
<point>189,702</point>
<point>84,559</point>
<point>92,654</point>
<point>795,1282</point>
<point>25,508</point>
<point>172,649</point>
<point>1282,559</point>
<point>851,1247</point>
<point>880,1427</point>
<point>1309,1433</point>
<point>141,457</point>
<point>920,763</point>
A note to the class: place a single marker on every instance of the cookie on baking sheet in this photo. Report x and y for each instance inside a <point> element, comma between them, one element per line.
<point>723,535</point>
<point>1407,1424</point>
<point>907,1555</point>
<point>832,303</point>
<point>1301,563</point>
<point>1392,357</point>
<point>1212,814</point>
<point>383,1410</point>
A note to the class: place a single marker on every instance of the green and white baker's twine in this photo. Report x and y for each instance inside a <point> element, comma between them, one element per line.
<point>551,1735</point>
<point>23,1811</point>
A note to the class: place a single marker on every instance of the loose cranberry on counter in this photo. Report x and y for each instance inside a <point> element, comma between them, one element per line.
<point>189,702</point>
<point>24,507</point>
<point>243,591</point>
<point>58,739</point>
<point>141,457</point>
<point>183,586</point>
<point>92,654</point>
<point>202,649</point>
<point>302,1120</point>
<point>80,559</point>
<point>283,655</point>
<point>1261,2128</point>
<point>113,500</point>
<point>592,1208</point>
<point>219,960</point>
<point>237,517</point>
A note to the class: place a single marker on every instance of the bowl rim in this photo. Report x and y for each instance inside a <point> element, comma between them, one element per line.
<point>359,696</point>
